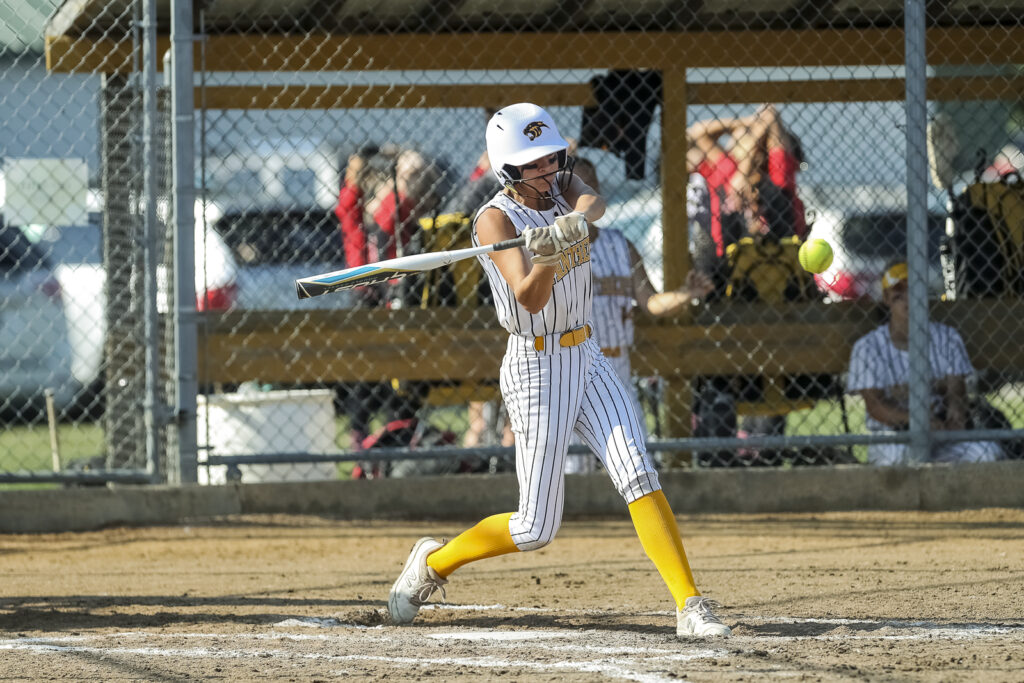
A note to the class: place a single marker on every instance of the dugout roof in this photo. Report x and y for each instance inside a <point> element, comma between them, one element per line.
<point>95,18</point>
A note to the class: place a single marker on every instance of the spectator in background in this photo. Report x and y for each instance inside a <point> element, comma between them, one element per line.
<point>620,285</point>
<point>383,194</point>
<point>479,187</point>
<point>745,189</point>
<point>761,151</point>
<point>879,372</point>
<point>698,214</point>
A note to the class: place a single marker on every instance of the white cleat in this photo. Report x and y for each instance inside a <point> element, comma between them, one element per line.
<point>698,619</point>
<point>415,584</point>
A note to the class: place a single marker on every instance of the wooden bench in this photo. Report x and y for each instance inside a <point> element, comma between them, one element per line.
<point>466,344</point>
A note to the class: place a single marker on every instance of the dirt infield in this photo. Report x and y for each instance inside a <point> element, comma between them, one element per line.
<point>829,597</point>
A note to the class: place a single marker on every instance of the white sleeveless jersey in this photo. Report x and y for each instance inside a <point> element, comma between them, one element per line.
<point>613,290</point>
<point>571,297</point>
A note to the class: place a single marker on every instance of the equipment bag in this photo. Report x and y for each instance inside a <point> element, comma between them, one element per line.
<point>768,269</point>
<point>987,244</point>
<point>458,283</point>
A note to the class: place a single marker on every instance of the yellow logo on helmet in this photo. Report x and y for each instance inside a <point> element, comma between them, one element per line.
<point>533,129</point>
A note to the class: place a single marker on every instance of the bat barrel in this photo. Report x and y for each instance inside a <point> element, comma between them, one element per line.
<point>391,269</point>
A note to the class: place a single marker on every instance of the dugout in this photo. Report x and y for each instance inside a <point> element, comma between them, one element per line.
<point>307,36</point>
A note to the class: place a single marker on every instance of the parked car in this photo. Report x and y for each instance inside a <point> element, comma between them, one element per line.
<point>35,351</point>
<point>216,273</point>
<point>75,255</point>
<point>248,259</point>
<point>76,252</point>
<point>867,228</point>
<point>272,247</point>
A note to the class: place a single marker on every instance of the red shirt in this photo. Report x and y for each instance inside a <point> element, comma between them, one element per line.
<point>349,210</point>
<point>717,174</point>
<point>384,217</point>
<point>782,169</point>
<point>478,173</point>
<point>350,214</point>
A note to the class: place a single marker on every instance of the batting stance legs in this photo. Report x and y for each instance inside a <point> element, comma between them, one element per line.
<point>549,394</point>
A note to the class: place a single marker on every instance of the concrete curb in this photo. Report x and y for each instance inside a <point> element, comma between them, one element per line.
<point>810,489</point>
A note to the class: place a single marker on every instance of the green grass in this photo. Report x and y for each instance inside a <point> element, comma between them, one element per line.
<point>27,448</point>
<point>1011,403</point>
<point>826,418</point>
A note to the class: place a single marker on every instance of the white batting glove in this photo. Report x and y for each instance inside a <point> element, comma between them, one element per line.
<point>545,241</point>
<point>573,226</point>
<point>553,239</point>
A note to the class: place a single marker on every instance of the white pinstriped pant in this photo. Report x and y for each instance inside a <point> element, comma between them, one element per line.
<point>620,364</point>
<point>958,451</point>
<point>550,394</point>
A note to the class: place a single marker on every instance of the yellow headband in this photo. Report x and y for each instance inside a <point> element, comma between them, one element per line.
<point>895,275</point>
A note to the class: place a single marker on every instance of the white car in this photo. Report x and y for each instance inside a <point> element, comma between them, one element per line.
<point>244,260</point>
<point>270,248</point>
<point>76,252</point>
<point>867,228</point>
<point>35,349</point>
<point>216,274</point>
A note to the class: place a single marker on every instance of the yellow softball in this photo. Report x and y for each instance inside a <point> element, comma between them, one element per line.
<point>815,255</point>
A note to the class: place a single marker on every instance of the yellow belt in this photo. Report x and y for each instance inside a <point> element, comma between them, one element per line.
<point>570,338</point>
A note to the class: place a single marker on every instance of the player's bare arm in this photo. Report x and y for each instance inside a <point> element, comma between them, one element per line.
<point>887,411</point>
<point>953,389</point>
<point>883,409</point>
<point>585,199</point>
<point>658,303</point>
<point>531,283</point>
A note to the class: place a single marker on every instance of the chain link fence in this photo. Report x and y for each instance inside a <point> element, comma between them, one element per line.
<point>723,138</point>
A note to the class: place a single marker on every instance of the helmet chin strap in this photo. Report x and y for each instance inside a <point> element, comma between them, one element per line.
<point>513,185</point>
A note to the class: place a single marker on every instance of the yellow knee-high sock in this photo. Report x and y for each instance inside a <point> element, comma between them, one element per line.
<point>659,535</point>
<point>489,538</point>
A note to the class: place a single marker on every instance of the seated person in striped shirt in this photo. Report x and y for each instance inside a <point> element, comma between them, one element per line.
<point>879,372</point>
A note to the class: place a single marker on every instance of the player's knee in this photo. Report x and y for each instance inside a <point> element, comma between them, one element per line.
<point>982,451</point>
<point>535,539</point>
<point>534,543</point>
<point>639,486</point>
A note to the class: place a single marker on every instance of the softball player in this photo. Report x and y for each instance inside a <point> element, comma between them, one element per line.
<point>554,379</point>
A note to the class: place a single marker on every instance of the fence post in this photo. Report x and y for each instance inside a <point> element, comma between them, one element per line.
<point>183,198</point>
<point>678,396</point>
<point>154,410</point>
<point>917,228</point>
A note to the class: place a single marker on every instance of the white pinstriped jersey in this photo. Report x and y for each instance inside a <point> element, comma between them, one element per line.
<point>875,363</point>
<point>613,290</point>
<point>570,302</point>
<point>558,390</point>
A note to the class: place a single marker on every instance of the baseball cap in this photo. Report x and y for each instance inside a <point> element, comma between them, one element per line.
<point>894,274</point>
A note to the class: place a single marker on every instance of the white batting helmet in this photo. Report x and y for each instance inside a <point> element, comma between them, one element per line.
<point>521,133</point>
